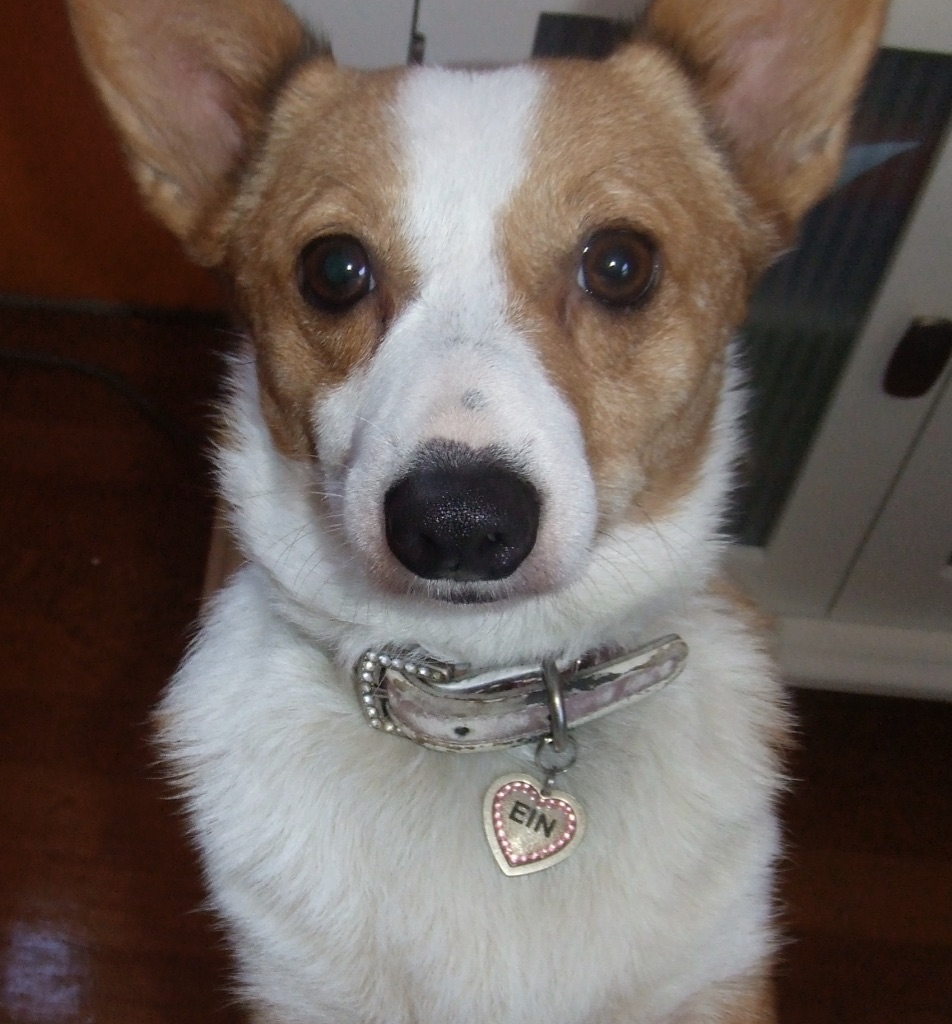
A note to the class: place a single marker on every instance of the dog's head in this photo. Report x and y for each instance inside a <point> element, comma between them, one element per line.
<point>490,311</point>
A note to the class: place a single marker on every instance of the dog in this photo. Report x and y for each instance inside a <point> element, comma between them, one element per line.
<point>477,732</point>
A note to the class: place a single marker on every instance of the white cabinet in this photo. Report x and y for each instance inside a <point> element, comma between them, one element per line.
<point>903,573</point>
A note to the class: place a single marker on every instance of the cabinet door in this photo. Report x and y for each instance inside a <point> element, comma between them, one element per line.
<point>903,574</point>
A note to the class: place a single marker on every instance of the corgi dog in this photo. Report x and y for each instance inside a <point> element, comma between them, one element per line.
<point>476,733</point>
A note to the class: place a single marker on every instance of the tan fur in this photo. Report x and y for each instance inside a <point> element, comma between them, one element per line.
<point>188,93</point>
<point>779,725</point>
<point>741,1001</point>
<point>652,377</point>
<point>349,184</point>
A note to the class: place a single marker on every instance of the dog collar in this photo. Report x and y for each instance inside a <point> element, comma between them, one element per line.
<point>442,706</point>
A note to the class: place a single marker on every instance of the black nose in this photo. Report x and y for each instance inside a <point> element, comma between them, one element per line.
<point>461,514</point>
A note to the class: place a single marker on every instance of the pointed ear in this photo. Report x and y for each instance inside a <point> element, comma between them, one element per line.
<point>779,78</point>
<point>188,85</point>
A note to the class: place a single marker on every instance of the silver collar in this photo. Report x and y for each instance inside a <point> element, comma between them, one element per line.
<point>443,707</point>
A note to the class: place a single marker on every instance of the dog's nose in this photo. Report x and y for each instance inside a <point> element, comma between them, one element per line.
<point>461,514</point>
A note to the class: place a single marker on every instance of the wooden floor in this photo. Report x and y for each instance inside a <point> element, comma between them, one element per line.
<point>104,518</point>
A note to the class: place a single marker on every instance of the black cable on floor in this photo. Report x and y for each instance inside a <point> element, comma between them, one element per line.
<point>159,419</point>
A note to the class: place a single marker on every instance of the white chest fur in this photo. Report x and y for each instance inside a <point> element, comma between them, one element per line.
<point>357,860</point>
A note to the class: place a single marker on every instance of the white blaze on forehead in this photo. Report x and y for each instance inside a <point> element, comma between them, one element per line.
<point>474,376</point>
<point>466,137</point>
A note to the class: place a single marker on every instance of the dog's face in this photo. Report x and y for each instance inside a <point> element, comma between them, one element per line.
<point>490,311</point>
<point>487,321</point>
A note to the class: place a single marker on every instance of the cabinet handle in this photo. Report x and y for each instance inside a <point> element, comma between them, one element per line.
<point>920,357</point>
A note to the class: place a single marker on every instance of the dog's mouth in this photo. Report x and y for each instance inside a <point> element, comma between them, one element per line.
<point>461,593</point>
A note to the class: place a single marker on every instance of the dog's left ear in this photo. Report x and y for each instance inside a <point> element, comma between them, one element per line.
<point>188,85</point>
<point>779,78</point>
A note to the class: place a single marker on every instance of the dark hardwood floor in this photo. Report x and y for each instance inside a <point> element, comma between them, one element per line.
<point>104,520</point>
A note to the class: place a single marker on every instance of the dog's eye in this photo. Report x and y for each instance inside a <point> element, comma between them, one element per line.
<point>334,273</point>
<point>619,267</point>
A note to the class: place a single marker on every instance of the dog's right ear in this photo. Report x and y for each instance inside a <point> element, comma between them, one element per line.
<point>188,84</point>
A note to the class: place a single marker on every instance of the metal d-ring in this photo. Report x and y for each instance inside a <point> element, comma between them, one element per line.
<point>559,730</point>
<point>555,752</point>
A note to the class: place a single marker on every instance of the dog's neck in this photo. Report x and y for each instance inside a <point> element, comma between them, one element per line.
<point>445,704</point>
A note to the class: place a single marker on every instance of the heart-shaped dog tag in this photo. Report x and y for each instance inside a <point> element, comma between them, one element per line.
<point>528,830</point>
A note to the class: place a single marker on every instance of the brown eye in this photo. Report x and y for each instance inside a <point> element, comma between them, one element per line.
<point>619,267</point>
<point>334,273</point>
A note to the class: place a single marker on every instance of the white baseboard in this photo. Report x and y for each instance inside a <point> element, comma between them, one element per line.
<point>823,654</point>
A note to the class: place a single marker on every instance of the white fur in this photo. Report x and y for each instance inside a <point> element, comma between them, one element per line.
<point>353,869</point>
<point>351,866</point>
